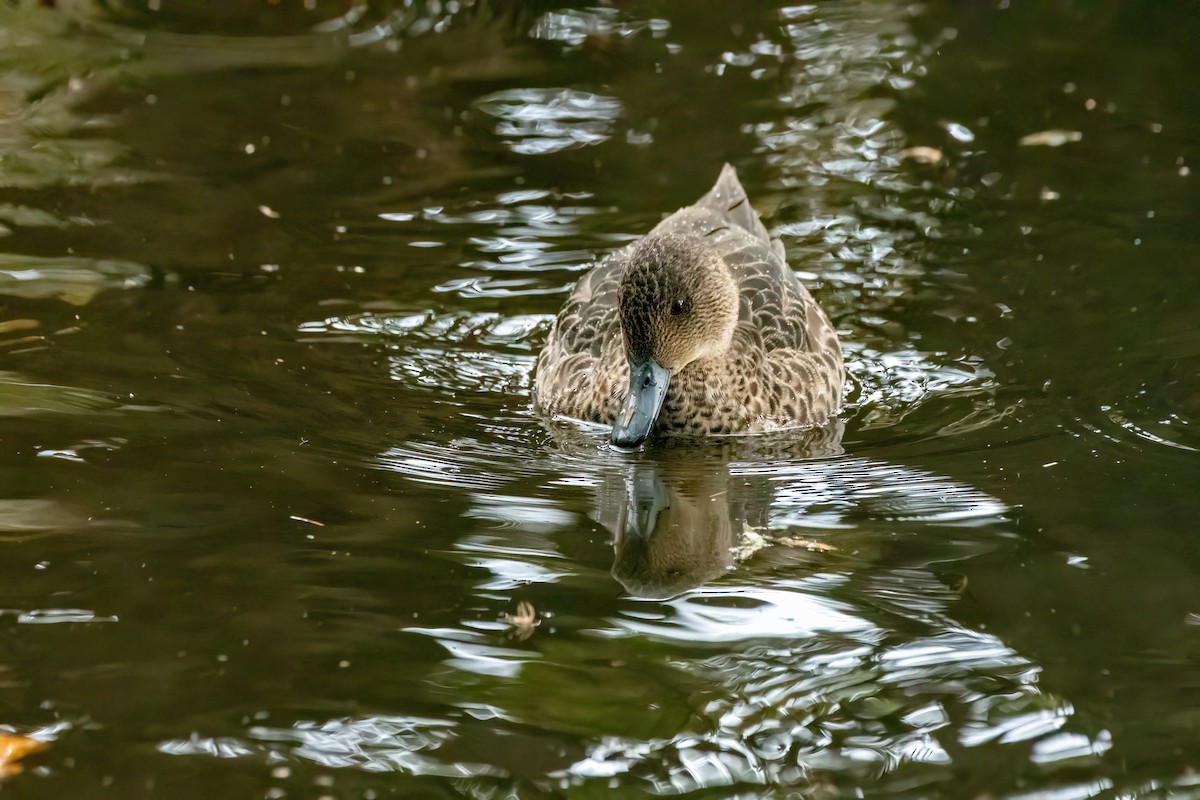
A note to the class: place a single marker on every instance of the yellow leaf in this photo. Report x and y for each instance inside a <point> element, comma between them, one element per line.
<point>1050,138</point>
<point>14,748</point>
<point>922,154</point>
<point>523,622</point>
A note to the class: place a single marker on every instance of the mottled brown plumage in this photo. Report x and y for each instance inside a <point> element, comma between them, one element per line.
<point>707,297</point>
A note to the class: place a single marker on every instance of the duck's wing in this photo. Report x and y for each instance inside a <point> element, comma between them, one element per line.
<point>780,326</point>
<point>581,370</point>
<point>589,317</point>
<point>728,200</point>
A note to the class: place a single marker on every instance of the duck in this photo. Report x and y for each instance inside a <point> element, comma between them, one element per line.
<point>699,328</point>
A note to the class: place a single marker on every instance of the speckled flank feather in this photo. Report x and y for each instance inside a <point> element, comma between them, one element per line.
<point>782,368</point>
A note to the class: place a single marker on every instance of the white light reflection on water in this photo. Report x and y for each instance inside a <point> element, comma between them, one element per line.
<point>723,614</point>
<point>846,699</point>
<point>844,492</point>
<point>476,652</point>
<point>889,385</point>
<point>1170,429</point>
<point>803,660</point>
<point>522,233</point>
<point>775,712</point>
<point>524,514</point>
<point>443,352</point>
<point>74,280</point>
<point>471,352</point>
<point>544,121</point>
<point>20,396</point>
<point>1072,747</point>
<point>802,666</point>
<point>573,26</point>
<point>55,616</point>
<point>374,744</point>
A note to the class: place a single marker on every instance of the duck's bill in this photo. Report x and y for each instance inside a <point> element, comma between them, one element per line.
<point>647,388</point>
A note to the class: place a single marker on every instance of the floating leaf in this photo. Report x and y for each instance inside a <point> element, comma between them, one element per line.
<point>808,544</point>
<point>1051,138</point>
<point>13,748</point>
<point>922,155</point>
<point>523,622</point>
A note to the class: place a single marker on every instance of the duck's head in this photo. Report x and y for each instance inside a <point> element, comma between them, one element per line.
<point>678,303</point>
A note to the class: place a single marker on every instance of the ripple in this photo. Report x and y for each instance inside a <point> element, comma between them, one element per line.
<point>771,715</point>
<point>21,396</point>
<point>1072,748</point>
<point>49,142</point>
<point>476,652</point>
<point>1162,423</point>
<point>718,614</point>
<point>852,216</point>
<point>480,371</point>
<point>888,387</point>
<point>27,217</point>
<point>518,231</point>
<point>1172,430</point>
<point>54,61</point>
<point>550,120</point>
<point>373,744</point>
<point>492,352</point>
<point>29,516</point>
<point>232,35</point>
<point>464,463</point>
<point>844,493</point>
<point>499,287</point>
<point>528,513</point>
<point>573,26</point>
<point>449,353</point>
<point>74,280</point>
<point>54,616</point>
<point>848,702</point>
<point>515,238</point>
<point>216,747</point>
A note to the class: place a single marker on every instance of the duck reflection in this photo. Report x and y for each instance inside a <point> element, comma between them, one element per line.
<point>679,518</point>
<point>671,531</point>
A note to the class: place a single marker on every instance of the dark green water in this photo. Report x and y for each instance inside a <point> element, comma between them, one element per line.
<point>272,281</point>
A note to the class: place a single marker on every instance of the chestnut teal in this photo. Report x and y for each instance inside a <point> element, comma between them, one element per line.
<point>700,327</point>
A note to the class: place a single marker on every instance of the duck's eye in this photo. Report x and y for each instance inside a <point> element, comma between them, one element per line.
<point>680,306</point>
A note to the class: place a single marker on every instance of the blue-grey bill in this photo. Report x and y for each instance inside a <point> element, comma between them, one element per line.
<point>647,388</point>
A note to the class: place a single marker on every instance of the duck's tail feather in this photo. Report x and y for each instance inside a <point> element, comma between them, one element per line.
<point>728,198</point>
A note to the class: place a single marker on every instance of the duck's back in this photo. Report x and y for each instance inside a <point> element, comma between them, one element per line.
<point>785,365</point>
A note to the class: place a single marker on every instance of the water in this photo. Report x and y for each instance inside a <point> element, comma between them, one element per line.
<point>277,518</point>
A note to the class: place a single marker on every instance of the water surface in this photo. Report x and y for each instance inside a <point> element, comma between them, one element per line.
<point>278,520</point>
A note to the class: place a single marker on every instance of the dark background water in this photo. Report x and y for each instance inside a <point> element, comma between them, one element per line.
<point>272,280</point>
